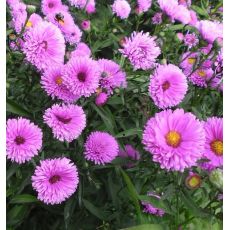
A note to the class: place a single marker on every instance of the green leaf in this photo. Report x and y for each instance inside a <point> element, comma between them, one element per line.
<point>68,210</point>
<point>16,214</point>
<point>13,107</point>
<point>145,227</point>
<point>94,210</point>
<point>22,199</point>
<point>130,132</point>
<point>200,11</point>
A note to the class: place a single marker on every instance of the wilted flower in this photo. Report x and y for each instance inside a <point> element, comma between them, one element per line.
<point>193,181</point>
<point>157,18</point>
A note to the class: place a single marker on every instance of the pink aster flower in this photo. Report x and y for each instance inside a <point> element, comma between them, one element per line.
<point>144,5</point>
<point>52,6</point>
<point>81,50</point>
<point>121,8</point>
<point>55,180</point>
<point>175,139</point>
<point>73,35</point>
<point>188,62</point>
<point>201,76</point>
<point>186,3</point>
<point>101,99</point>
<point>157,18</point>
<point>101,148</point>
<point>194,20</point>
<point>180,36</point>
<point>182,14</point>
<point>141,50</point>
<point>168,7</point>
<point>130,152</point>
<point>90,7</point>
<point>85,25</point>
<point>191,40</point>
<point>168,86</point>
<point>210,31</point>
<point>12,3</point>
<point>82,76</point>
<point>111,75</point>
<point>23,140</point>
<point>66,121</point>
<point>52,83</point>
<point>33,20</point>
<point>44,45</point>
<point>214,141</point>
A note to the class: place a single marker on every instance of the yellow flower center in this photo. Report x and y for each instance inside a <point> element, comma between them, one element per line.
<point>217,147</point>
<point>194,181</point>
<point>191,60</point>
<point>201,73</point>
<point>29,24</point>
<point>165,85</point>
<point>173,138</point>
<point>58,80</point>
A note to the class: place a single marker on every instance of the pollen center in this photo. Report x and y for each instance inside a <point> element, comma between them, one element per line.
<point>58,81</point>
<point>191,60</point>
<point>29,24</point>
<point>64,120</point>
<point>19,140</point>
<point>165,85</point>
<point>54,179</point>
<point>81,76</point>
<point>50,5</point>
<point>201,73</point>
<point>173,139</point>
<point>217,147</point>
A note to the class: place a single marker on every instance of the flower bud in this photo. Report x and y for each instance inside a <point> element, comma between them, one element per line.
<point>216,177</point>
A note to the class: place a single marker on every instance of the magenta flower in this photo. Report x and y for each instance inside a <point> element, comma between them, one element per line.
<point>191,40</point>
<point>23,140</point>
<point>52,83</point>
<point>90,7</point>
<point>168,86</point>
<point>194,20</point>
<point>73,35</point>
<point>157,18</point>
<point>111,75</point>
<point>186,3</point>
<point>121,8</point>
<point>101,148</point>
<point>182,14</point>
<point>33,20</point>
<point>168,7</point>
<point>66,121</point>
<point>214,141</point>
<point>175,139</point>
<point>55,180</point>
<point>141,50</point>
<point>82,76</point>
<point>210,31</point>
<point>188,62</point>
<point>44,45</point>
<point>82,49</point>
<point>144,5</point>
<point>101,99</point>
<point>52,6</point>
<point>85,25</point>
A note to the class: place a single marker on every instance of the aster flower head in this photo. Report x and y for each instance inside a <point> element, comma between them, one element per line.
<point>52,82</point>
<point>44,45</point>
<point>73,34</point>
<point>157,18</point>
<point>90,7</point>
<point>168,86</point>
<point>188,62</point>
<point>141,50</point>
<point>191,40</point>
<point>130,152</point>
<point>182,14</point>
<point>51,6</point>
<point>144,5</point>
<point>12,3</point>
<point>194,20</point>
<point>23,140</point>
<point>214,141</point>
<point>101,148</point>
<point>111,75</point>
<point>82,49</point>
<point>101,99</point>
<point>175,139</point>
<point>82,76</point>
<point>85,25</point>
<point>66,121</point>
<point>210,30</point>
<point>121,8</point>
<point>168,7</point>
<point>55,180</point>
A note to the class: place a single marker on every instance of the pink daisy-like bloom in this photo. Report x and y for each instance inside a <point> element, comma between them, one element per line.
<point>121,8</point>
<point>210,31</point>
<point>82,76</point>
<point>85,25</point>
<point>12,3</point>
<point>111,75</point>
<point>101,99</point>
<point>81,50</point>
<point>66,121</point>
<point>186,3</point>
<point>175,139</point>
<point>130,152</point>
<point>101,148</point>
<point>214,141</point>
<point>157,18</point>
<point>182,14</point>
<point>144,5</point>
<point>52,83</point>
<point>168,86</point>
<point>188,61</point>
<point>180,36</point>
<point>55,180</point>
<point>191,40</point>
<point>194,20</point>
<point>44,45</point>
<point>141,50</point>
<point>19,15</point>
<point>168,7</point>
<point>52,6</point>
<point>78,3</point>
<point>33,20</point>
<point>201,76</point>
<point>23,140</point>
<point>73,35</point>
<point>90,7</point>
